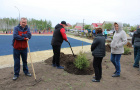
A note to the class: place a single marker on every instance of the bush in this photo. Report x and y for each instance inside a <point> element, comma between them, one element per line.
<point>108,34</point>
<point>132,30</point>
<point>82,33</point>
<point>81,61</point>
<point>87,35</point>
<point>90,34</point>
<point>111,37</point>
<point>126,30</point>
<point>126,50</point>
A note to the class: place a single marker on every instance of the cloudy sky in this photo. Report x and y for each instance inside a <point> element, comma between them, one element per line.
<point>73,11</point>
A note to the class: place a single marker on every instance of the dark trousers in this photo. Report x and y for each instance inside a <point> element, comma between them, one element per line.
<point>105,36</point>
<point>16,56</point>
<point>56,56</point>
<point>97,65</point>
<point>136,56</point>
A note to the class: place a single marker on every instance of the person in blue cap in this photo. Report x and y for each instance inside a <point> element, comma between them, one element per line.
<point>94,33</point>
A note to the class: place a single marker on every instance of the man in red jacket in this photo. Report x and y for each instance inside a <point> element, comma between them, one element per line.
<point>57,39</point>
<point>20,37</point>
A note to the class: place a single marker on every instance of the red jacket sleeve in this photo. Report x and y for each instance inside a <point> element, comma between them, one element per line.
<point>62,31</point>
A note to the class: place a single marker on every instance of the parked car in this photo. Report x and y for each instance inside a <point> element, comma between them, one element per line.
<point>131,34</point>
<point>71,30</point>
<point>110,32</point>
<point>75,30</point>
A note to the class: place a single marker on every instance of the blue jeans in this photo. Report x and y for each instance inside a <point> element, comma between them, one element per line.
<point>16,56</point>
<point>136,56</point>
<point>115,59</point>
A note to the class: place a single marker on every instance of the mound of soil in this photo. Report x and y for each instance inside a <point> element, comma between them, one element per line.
<point>108,48</point>
<point>129,44</point>
<point>67,60</point>
<point>108,41</point>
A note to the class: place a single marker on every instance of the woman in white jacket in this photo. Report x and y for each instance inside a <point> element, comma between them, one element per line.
<point>119,40</point>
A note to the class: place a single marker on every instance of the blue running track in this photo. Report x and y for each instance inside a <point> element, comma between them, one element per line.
<point>36,43</point>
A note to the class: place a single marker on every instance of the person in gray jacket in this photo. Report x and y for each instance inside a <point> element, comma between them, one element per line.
<point>98,51</point>
<point>117,49</point>
<point>136,44</point>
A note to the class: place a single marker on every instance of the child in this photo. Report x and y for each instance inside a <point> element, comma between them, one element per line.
<point>98,51</point>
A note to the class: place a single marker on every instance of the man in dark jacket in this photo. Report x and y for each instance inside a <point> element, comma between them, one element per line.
<point>57,39</point>
<point>136,44</point>
<point>98,51</point>
<point>20,37</point>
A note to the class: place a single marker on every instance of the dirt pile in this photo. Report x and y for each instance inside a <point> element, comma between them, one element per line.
<point>108,41</point>
<point>67,60</point>
<point>129,44</point>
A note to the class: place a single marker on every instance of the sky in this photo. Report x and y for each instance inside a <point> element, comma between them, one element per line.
<point>73,11</point>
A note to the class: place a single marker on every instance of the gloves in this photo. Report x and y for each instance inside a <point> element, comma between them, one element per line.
<point>20,33</point>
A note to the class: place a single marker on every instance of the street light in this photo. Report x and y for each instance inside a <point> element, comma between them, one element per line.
<point>18,11</point>
<point>83,32</point>
<point>83,24</point>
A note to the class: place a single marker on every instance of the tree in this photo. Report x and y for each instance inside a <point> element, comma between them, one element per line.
<point>126,30</point>
<point>133,28</point>
<point>87,27</point>
<point>74,25</point>
<point>126,25</point>
<point>108,26</point>
<point>70,27</point>
<point>10,23</point>
<point>49,25</point>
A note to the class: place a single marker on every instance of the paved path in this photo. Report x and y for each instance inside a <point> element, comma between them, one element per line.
<point>37,43</point>
<point>7,60</point>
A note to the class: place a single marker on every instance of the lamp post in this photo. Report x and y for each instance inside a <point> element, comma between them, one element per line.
<point>83,24</point>
<point>18,11</point>
<point>83,32</point>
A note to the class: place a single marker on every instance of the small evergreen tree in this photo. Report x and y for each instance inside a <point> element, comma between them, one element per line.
<point>81,61</point>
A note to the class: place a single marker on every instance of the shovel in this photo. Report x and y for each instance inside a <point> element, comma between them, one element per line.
<point>36,81</point>
<point>71,48</point>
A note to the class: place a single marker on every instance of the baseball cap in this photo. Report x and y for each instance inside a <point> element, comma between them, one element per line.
<point>63,22</point>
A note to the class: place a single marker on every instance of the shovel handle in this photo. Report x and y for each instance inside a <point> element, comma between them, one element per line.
<point>71,48</point>
<point>31,61</point>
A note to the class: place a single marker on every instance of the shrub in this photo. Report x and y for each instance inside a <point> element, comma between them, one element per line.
<point>111,37</point>
<point>126,50</point>
<point>108,34</point>
<point>82,33</point>
<point>90,34</point>
<point>87,35</point>
<point>81,61</point>
<point>126,30</point>
<point>132,30</point>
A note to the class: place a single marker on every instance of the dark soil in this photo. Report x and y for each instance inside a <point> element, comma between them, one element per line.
<point>129,44</point>
<point>108,41</point>
<point>58,79</point>
<point>67,60</point>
